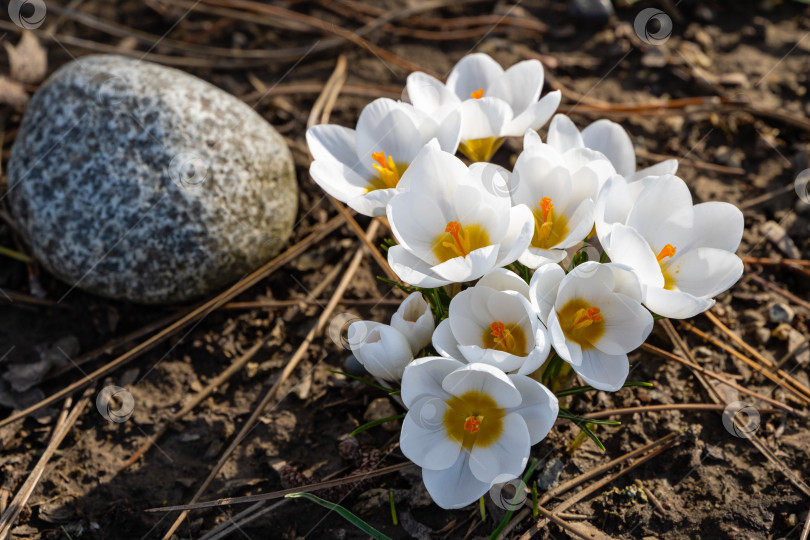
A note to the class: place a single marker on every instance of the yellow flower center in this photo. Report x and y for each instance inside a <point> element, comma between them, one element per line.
<point>549,228</point>
<point>480,149</point>
<point>473,419</point>
<point>478,94</point>
<point>459,241</point>
<point>508,338</point>
<point>581,322</point>
<point>388,172</point>
<point>667,252</point>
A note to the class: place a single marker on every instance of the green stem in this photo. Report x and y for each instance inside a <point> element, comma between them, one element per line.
<point>14,254</point>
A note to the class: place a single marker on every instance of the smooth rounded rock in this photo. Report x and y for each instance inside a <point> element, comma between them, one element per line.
<point>141,182</point>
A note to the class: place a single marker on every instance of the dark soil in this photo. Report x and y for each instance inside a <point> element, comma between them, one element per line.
<point>711,485</point>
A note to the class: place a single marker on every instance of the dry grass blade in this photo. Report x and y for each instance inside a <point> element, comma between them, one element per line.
<point>666,407</point>
<point>322,107</point>
<point>570,527</point>
<point>278,494</point>
<point>220,379</point>
<point>674,357</point>
<point>288,369</point>
<point>273,304</point>
<point>781,378</point>
<point>780,291</point>
<point>678,341</point>
<point>193,316</point>
<point>571,501</point>
<point>63,425</point>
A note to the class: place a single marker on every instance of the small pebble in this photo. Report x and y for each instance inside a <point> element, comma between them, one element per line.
<point>594,10</point>
<point>781,313</point>
<point>548,477</point>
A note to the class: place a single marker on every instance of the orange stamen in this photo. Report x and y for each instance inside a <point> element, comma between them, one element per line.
<point>547,206</point>
<point>462,242</point>
<point>667,251</point>
<point>473,424</point>
<point>379,157</point>
<point>478,94</point>
<point>586,317</point>
<point>502,335</point>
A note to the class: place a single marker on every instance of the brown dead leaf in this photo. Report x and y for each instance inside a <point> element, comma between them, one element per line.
<point>28,60</point>
<point>12,93</point>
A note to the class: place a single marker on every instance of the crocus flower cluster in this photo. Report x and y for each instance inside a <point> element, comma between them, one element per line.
<point>485,252</point>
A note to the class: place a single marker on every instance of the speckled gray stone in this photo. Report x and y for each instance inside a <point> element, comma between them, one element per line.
<point>141,182</point>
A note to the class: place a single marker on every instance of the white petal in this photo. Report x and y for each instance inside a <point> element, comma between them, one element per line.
<point>537,357</point>
<point>502,279</point>
<point>665,203</point>
<point>382,350</point>
<point>484,118</point>
<point>328,142</point>
<point>428,94</point>
<point>445,343</point>
<point>613,204</point>
<point>472,73</point>
<point>530,139</point>
<point>424,438</point>
<point>626,281</point>
<point>507,456</point>
<point>628,247</point>
<point>413,270</point>
<point>499,359</point>
<point>447,132</point>
<point>718,225</point>
<point>613,141</point>
<point>416,221</point>
<point>603,371</point>
<point>705,272</point>
<point>567,350</point>
<point>373,203</point>
<point>337,180</point>
<point>435,175</point>
<point>563,134</point>
<point>473,266</point>
<point>539,407</point>
<point>543,289</point>
<point>456,486</point>
<point>414,320</point>
<point>588,281</point>
<point>669,166</point>
<point>627,324</point>
<point>535,116</point>
<point>424,376</point>
<point>580,225</point>
<point>675,304</point>
<point>485,379</point>
<point>518,236</point>
<point>538,258</point>
<point>384,128</point>
<point>520,85</point>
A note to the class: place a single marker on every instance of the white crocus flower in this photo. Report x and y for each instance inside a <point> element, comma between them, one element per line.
<point>470,426</point>
<point>362,167</point>
<point>414,320</point>
<point>499,328</point>
<point>502,279</point>
<point>608,138</point>
<point>494,103</point>
<point>560,189</point>
<point>450,227</point>
<point>683,254</point>
<point>382,349</point>
<point>594,316</point>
